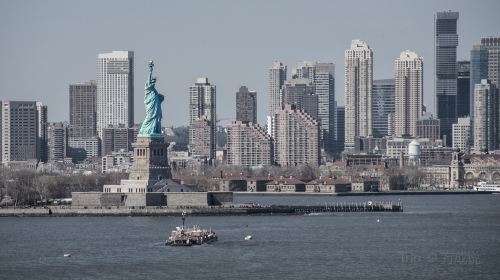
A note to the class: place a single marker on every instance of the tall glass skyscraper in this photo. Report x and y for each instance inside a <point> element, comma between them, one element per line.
<point>383,105</point>
<point>324,81</point>
<point>446,42</point>
<point>478,71</point>
<point>463,89</point>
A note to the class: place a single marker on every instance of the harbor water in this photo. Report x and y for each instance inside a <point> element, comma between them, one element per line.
<point>436,237</point>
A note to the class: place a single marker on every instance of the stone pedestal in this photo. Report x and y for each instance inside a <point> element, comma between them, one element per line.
<point>150,160</point>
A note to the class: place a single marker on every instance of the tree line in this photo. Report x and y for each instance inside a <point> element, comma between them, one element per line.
<point>27,187</point>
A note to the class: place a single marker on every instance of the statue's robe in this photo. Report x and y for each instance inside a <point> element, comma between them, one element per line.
<point>151,126</point>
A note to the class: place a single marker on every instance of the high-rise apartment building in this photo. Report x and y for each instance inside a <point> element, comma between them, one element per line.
<point>248,144</point>
<point>246,105</point>
<point>202,115</point>
<point>463,88</point>
<point>305,70</point>
<point>19,131</point>
<point>383,101</point>
<point>485,116</point>
<point>409,93</point>
<point>277,77</point>
<point>41,147</point>
<point>446,42</point>
<point>82,109</point>
<point>115,90</point>
<point>57,141</point>
<point>116,139</point>
<point>358,91</point>
<point>296,137</point>
<point>80,149</point>
<point>461,135</point>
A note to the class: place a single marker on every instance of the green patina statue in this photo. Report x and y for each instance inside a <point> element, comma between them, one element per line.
<point>151,126</point>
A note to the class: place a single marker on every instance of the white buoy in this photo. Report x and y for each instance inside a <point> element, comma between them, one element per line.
<point>67,255</point>
<point>378,220</point>
<point>248,237</point>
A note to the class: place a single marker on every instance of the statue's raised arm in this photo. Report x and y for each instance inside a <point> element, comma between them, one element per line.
<point>151,65</point>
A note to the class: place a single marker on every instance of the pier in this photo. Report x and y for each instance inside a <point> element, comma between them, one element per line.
<point>230,210</point>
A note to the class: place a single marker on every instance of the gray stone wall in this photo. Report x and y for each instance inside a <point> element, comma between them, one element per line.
<point>187,199</point>
<point>156,199</point>
<point>220,198</point>
<point>135,199</point>
<point>88,199</point>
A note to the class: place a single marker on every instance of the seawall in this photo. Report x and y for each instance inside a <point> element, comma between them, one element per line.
<point>66,211</point>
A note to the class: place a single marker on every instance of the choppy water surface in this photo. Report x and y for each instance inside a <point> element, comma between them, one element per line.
<point>436,237</point>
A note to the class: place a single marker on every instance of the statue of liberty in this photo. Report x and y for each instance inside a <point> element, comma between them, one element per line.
<point>151,126</point>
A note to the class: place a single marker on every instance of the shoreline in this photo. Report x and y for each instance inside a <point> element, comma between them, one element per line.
<point>227,210</point>
<point>361,193</point>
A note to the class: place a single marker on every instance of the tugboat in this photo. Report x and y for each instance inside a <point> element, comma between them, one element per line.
<point>183,236</point>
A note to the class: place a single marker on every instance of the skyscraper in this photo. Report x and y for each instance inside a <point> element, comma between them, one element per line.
<point>383,105</point>
<point>492,44</point>
<point>19,131</point>
<point>358,91</point>
<point>409,92</point>
<point>324,86</point>
<point>277,77</point>
<point>446,42</point>
<point>246,105</point>
<point>297,137</point>
<point>248,144</point>
<point>41,147</point>
<point>340,129</point>
<point>478,71</point>
<point>463,88</point>
<point>115,89</point>
<point>57,141</point>
<point>82,109</point>
<point>300,93</point>
<point>202,110</point>
<point>485,116</point>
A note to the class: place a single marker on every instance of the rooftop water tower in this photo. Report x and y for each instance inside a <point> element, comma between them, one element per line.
<point>414,152</point>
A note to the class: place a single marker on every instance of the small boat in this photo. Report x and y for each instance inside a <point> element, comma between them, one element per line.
<point>67,255</point>
<point>248,237</point>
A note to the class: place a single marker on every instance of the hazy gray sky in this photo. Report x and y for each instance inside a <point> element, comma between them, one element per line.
<point>46,45</point>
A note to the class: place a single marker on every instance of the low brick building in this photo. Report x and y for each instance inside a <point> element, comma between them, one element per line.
<point>329,185</point>
<point>286,185</point>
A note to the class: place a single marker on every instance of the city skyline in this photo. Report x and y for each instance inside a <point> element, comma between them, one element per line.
<point>182,57</point>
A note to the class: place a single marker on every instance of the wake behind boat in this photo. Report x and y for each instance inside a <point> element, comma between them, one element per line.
<point>183,236</point>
